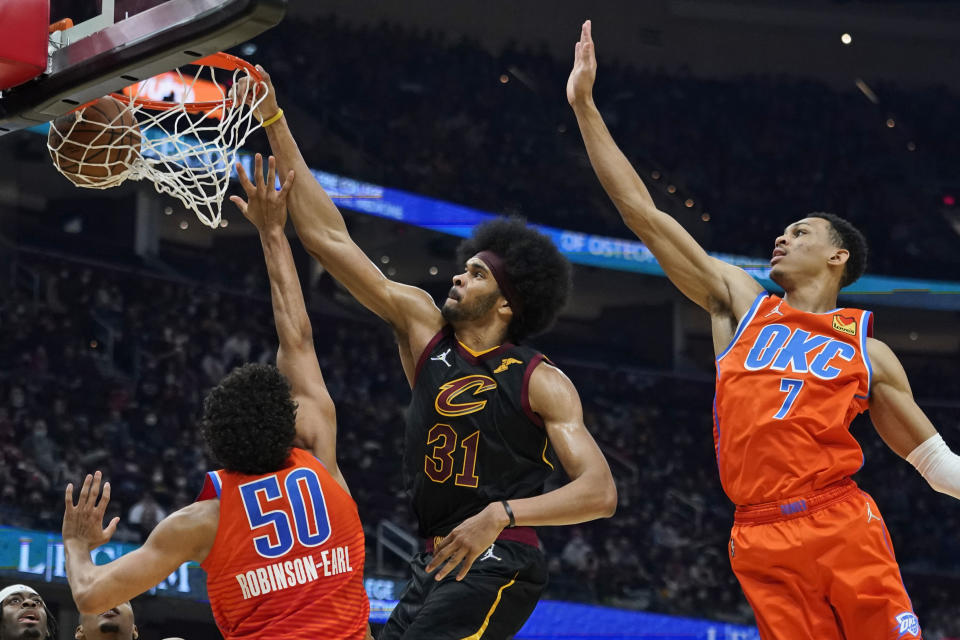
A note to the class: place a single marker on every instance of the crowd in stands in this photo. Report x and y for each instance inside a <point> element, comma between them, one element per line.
<point>445,117</point>
<point>75,397</point>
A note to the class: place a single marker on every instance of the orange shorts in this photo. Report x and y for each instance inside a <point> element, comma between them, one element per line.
<point>821,567</point>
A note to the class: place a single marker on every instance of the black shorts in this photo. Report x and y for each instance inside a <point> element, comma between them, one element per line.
<point>492,602</point>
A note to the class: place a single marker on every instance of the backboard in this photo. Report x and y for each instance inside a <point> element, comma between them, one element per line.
<point>126,42</point>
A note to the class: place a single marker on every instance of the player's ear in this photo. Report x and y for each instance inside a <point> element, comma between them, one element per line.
<point>78,634</point>
<point>839,257</point>
<point>504,309</point>
<point>136,633</point>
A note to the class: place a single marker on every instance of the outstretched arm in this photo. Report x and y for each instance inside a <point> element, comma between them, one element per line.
<point>708,282</point>
<point>904,426</point>
<point>411,311</point>
<point>183,536</point>
<point>590,494</point>
<point>266,208</point>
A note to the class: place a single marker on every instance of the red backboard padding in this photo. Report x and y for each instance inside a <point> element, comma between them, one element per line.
<point>23,40</point>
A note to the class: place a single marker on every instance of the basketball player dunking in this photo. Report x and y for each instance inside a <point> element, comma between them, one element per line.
<point>484,412</point>
<point>276,529</point>
<point>810,550</point>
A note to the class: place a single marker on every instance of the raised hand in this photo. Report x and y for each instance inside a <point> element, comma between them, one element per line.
<point>250,89</point>
<point>267,207</point>
<point>84,521</point>
<point>580,82</point>
<point>269,106</point>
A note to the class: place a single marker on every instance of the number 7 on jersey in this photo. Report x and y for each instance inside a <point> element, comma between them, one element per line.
<point>792,388</point>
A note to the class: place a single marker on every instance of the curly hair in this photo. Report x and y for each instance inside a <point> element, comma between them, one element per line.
<point>539,272</point>
<point>248,422</point>
<point>846,236</point>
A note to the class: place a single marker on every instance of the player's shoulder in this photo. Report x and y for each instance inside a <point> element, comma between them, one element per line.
<point>548,380</point>
<point>191,529</point>
<point>740,292</point>
<point>196,513</point>
<point>422,317</point>
<point>883,361</point>
<point>879,349</point>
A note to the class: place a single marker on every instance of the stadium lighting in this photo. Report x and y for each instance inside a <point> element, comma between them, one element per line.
<point>846,38</point>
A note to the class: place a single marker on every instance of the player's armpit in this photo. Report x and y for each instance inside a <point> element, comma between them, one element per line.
<point>895,414</point>
<point>185,535</point>
<point>591,492</point>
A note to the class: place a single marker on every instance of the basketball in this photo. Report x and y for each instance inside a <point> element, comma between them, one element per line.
<point>96,144</point>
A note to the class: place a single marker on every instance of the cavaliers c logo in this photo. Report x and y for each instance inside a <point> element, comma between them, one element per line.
<point>446,404</point>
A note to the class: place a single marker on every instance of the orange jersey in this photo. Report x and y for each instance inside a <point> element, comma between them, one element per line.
<point>288,558</point>
<point>788,387</point>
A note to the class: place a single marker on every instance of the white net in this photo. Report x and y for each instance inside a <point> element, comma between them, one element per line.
<point>187,154</point>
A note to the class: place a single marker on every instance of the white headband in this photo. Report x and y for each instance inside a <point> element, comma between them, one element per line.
<point>14,588</point>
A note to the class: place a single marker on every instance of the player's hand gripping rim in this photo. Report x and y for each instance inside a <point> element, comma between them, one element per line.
<point>267,207</point>
<point>249,90</point>
<point>463,545</point>
<point>84,521</point>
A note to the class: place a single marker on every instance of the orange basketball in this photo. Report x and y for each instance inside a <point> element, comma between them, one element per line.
<point>96,143</point>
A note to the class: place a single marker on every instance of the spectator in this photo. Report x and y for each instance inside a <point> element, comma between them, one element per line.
<point>145,514</point>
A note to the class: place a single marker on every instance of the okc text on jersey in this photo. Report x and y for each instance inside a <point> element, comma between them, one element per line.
<point>779,347</point>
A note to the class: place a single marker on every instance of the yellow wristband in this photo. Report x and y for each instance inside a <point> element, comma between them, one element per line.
<point>269,121</point>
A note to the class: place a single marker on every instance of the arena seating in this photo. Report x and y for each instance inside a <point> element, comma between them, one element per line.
<point>422,112</point>
<point>75,399</point>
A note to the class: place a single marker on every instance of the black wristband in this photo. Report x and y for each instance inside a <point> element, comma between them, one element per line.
<point>506,507</point>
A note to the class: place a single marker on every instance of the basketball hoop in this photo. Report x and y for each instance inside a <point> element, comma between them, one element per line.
<point>190,128</point>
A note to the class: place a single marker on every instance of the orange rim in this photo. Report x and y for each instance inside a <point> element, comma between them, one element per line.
<point>220,61</point>
<point>61,25</point>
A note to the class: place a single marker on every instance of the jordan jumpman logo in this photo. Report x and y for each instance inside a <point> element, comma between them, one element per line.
<point>489,554</point>
<point>443,358</point>
<point>776,310</point>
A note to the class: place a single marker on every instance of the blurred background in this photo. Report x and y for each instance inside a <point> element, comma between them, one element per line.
<point>118,309</point>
